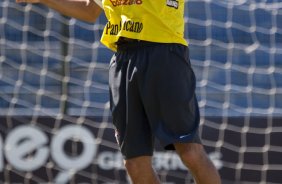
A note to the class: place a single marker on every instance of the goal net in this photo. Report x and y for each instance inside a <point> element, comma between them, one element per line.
<point>55,123</point>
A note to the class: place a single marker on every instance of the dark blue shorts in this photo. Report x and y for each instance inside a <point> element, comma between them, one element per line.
<point>152,95</point>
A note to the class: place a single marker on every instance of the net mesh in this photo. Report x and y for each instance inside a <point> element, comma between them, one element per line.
<point>54,103</point>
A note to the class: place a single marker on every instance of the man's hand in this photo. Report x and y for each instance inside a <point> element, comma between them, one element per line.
<point>27,1</point>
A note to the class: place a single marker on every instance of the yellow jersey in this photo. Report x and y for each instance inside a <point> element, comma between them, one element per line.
<point>159,21</point>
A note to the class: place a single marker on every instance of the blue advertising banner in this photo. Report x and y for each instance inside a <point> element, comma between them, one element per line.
<point>52,151</point>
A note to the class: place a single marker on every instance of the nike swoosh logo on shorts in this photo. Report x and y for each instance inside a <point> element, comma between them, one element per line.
<point>183,136</point>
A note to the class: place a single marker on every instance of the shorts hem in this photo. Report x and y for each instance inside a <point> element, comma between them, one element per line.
<point>136,155</point>
<point>170,146</point>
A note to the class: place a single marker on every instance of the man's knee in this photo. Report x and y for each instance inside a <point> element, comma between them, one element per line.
<point>138,163</point>
<point>131,164</point>
<point>191,153</point>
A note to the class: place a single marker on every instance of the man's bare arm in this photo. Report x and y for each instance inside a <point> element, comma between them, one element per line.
<point>86,10</point>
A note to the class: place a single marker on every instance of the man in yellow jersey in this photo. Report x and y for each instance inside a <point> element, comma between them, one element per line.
<point>152,84</point>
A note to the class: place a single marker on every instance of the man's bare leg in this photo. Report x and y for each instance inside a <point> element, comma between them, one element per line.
<point>195,158</point>
<point>140,170</point>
